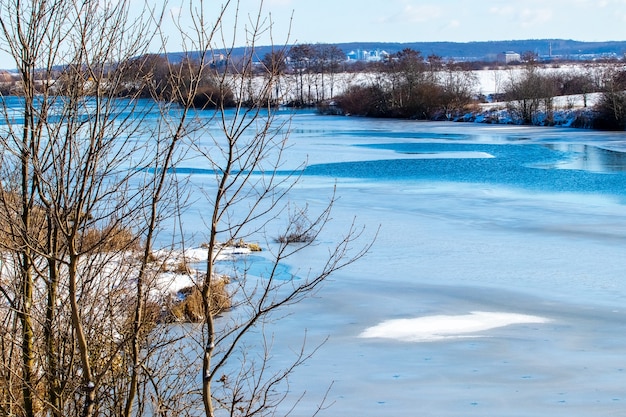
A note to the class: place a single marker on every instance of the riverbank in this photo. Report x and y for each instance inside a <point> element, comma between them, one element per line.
<point>569,111</point>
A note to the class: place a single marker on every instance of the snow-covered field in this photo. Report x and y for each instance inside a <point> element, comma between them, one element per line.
<point>488,82</point>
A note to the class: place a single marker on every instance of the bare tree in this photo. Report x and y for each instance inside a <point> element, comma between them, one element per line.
<point>328,59</point>
<point>458,89</point>
<point>275,65</point>
<point>415,89</point>
<point>530,94</point>
<point>611,107</point>
<point>248,194</point>
<point>74,206</point>
<point>302,58</point>
<point>90,178</point>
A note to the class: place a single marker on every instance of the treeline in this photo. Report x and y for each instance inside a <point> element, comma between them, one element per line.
<point>303,75</point>
<point>530,94</point>
<point>145,76</point>
<point>405,84</point>
<point>409,85</point>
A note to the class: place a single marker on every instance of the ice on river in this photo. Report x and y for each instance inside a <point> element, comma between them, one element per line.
<point>503,247</point>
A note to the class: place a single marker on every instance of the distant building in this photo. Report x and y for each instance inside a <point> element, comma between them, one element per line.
<point>365,55</point>
<point>509,57</point>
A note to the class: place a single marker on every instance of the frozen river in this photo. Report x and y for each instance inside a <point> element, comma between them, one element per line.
<point>496,285</point>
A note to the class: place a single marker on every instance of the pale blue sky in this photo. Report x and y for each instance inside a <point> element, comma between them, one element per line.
<point>336,21</point>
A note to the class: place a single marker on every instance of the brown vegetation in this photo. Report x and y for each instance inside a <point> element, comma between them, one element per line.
<point>188,307</point>
<point>113,238</point>
<point>412,87</point>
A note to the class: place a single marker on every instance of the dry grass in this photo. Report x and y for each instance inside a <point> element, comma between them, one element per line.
<point>109,239</point>
<point>93,239</point>
<point>182,268</point>
<point>190,308</point>
<point>254,247</point>
<point>240,243</point>
<point>11,225</point>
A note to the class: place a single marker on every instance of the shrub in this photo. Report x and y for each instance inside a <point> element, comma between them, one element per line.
<point>419,101</point>
<point>189,306</point>
<point>209,96</point>
<point>369,101</point>
<point>300,229</point>
<point>611,111</point>
<point>295,237</point>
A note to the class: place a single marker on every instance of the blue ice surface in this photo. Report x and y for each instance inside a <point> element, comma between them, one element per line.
<point>533,167</point>
<point>452,250</point>
<point>257,266</point>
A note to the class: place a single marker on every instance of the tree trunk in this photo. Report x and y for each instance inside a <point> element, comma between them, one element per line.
<point>28,348</point>
<point>207,375</point>
<point>89,385</point>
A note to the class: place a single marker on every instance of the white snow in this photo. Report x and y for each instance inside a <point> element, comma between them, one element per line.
<point>452,155</point>
<point>488,81</point>
<point>432,328</point>
<point>171,282</point>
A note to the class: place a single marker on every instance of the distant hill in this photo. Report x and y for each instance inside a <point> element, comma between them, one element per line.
<point>487,50</point>
<point>480,50</point>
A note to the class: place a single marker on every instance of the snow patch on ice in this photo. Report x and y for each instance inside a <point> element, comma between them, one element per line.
<point>452,155</point>
<point>439,327</point>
